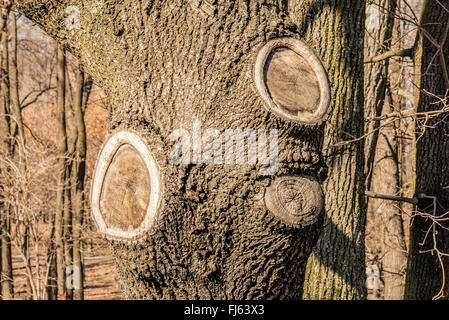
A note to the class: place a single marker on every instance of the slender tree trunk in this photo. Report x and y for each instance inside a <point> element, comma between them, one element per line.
<point>379,27</point>
<point>394,243</point>
<point>389,224</point>
<point>336,268</point>
<point>68,227</point>
<point>5,9</point>
<point>382,152</point>
<point>425,266</point>
<point>15,88</point>
<point>21,139</point>
<point>62,167</point>
<point>51,284</point>
<point>7,274</point>
<point>78,185</point>
<point>4,125</point>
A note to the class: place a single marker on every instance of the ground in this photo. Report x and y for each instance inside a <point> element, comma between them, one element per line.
<point>100,281</point>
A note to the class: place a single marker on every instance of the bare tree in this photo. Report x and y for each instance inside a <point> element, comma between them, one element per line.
<point>429,234</point>
<point>7,284</point>
<point>382,152</point>
<point>62,169</point>
<point>82,92</point>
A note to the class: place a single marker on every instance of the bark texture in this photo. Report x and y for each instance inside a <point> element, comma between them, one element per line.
<point>165,64</point>
<point>336,268</point>
<point>424,272</point>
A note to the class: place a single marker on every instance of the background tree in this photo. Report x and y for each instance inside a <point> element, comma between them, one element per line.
<point>383,146</point>
<point>82,92</point>
<point>427,262</point>
<point>333,27</point>
<point>62,169</point>
<point>7,286</point>
<point>27,174</point>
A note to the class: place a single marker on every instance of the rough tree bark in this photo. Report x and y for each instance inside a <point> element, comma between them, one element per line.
<point>424,277</point>
<point>336,268</point>
<point>165,64</point>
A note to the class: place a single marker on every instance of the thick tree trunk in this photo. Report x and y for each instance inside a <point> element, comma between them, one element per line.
<point>222,231</point>
<point>336,268</point>
<point>424,272</point>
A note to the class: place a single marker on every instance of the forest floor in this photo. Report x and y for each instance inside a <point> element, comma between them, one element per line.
<point>100,283</point>
<point>100,276</point>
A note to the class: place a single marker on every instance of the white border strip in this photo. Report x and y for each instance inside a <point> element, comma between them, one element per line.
<point>304,51</point>
<point>106,156</point>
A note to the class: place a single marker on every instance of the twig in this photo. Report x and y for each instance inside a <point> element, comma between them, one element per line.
<point>371,194</point>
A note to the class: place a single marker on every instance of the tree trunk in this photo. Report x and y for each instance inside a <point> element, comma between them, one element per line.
<point>389,224</point>
<point>78,186</point>
<point>5,9</point>
<point>204,230</point>
<point>62,168</point>
<point>51,284</point>
<point>15,89</point>
<point>424,271</point>
<point>382,152</point>
<point>67,226</point>
<point>336,268</point>
<point>4,124</point>
<point>7,283</point>
<point>21,141</point>
<point>379,27</point>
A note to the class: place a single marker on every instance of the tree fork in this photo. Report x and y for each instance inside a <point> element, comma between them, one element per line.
<point>165,67</point>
